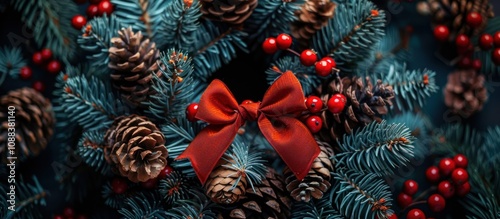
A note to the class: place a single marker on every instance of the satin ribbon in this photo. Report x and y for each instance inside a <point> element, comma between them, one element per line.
<point>275,117</point>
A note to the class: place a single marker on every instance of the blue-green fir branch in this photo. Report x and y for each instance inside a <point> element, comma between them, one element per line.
<point>11,62</point>
<point>419,126</point>
<point>197,207</point>
<point>141,15</point>
<point>96,41</point>
<point>143,205</point>
<point>50,21</point>
<point>29,197</point>
<point>490,157</point>
<point>478,205</point>
<point>361,195</point>
<point>306,75</point>
<point>379,148</point>
<point>175,187</point>
<point>178,25</point>
<point>115,200</point>
<point>316,209</point>
<point>487,65</point>
<point>350,34</point>
<point>90,149</point>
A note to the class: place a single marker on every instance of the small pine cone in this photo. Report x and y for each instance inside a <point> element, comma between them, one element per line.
<point>453,14</point>
<point>135,147</point>
<point>31,117</point>
<point>317,181</point>
<point>269,200</point>
<point>223,186</point>
<point>465,92</point>
<point>312,16</point>
<point>133,57</point>
<point>365,103</point>
<point>232,12</point>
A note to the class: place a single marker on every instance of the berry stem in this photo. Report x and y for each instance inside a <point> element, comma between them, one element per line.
<point>413,204</point>
<point>293,51</point>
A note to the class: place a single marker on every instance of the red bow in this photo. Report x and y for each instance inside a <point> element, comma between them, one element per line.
<point>289,137</point>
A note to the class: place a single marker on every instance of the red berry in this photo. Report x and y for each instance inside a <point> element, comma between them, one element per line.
<point>46,54</point>
<point>150,184</point>
<point>441,32</point>
<point>284,41</point>
<point>476,65</point>
<point>330,60</point>
<point>78,21</point>
<point>54,67</point>
<point>460,159</point>
<point>119,185</point>
<point>404,200</point>
<point>336,103</point>
<point>191,111</point>
<point>165,172</point>
<point>486,41</point>
<point>37,58</point>
<point>246,102</point>
<point>269,46</point>
<point>105,7</point>
<point>474,19</point>
<point>465,62</point>
<point>308,57</point>
<point>68,212</point>
<point>446,166</point>
<point>462,41</point>
<point>314,104</point>
<point>393,216</point>
<point>58,217</point>
<point>496,39</point>
<point>495,56</point>
<point>38,86</point>
<point>323,68</point>
<point>460,176</point>
<point>25,72</point>
<point>410,187</point>
<point>446,189</point>
<point>463,189</point>
<point>432,174</point>
<point>415,214</point>
<point>314,123</point>
<point>92,11</point>
<point>436,202</point>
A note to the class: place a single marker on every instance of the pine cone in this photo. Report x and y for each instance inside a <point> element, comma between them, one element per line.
<point>33,122</point>
<point>365,103</point>
<point>465,92</point>
<point>233,12</point>
<point>269,200</point>
<point>223,186</point>
<point>134,60</point>
<point>135,147</point>
<point>453,13</point>
<point>317,181</point>
<point>312,16</point>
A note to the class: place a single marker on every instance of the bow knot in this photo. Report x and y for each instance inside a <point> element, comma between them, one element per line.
<point>249,111</point>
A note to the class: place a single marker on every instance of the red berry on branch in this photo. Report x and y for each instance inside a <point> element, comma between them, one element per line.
<point>446,166</point>
<point>410,187</point>
<point>191,111</point>
<point>462,41</point>
<point>46,54</point>
<point>463,189</point>
<point>314,104</point>
<point>54,67</point>
<point>269,46</point>
<point>404,200</point>
<point>459,176</point>
<point>150,184</point>
<point>283,41</point>
<point>474,19</point>
<point>105,7</point>
<point>68,212</point>
<point>314,123</point>
<point>78,22</point>
<point>432,174</point>
<point>25,72</point>
<point>476,65</point>
<point>92,11</point>
<point>465,62</point>
<point>446,189</point>
<point>308,57</point>
<point>336,103</point>
<point>393,216</point>
<point>495,56</point>
<point>441,32</point>
<point>496,39</point>
<point>165,172</point>
<point>246,102</point>
<point>119,185</point>
<point>486,41</point>
<point>461,160</point>
<point>330,60</point>
<point>37,58</point>
<point>323,68</point>
<point>436,203</point>
<point>415,214</point>
<point>38,86</point>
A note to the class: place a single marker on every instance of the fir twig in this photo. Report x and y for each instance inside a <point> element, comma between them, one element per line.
<point>214,41</point>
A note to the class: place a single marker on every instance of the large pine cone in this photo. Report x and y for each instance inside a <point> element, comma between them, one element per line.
<point>465,92</point>
<point>312,16</point>
<point>133,57</point>
<point>32,119</point>
<point>135,147</point>
<point>317,181</point>
<point>223,186</point>
<point>269,200</point>
<point>233,12</point>
<point>366,102</point>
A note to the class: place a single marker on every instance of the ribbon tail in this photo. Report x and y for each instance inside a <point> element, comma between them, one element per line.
<point>292,141</point>
<point>207,148</point>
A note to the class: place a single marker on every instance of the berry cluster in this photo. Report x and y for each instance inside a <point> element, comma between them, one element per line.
<point>335,105</point>
<point>95,8</point>
<point>69,213</point>
<point>120,185</point>
<point>45,60</point>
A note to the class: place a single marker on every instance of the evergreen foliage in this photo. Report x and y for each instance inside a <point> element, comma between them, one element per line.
<point>197,207</point>
<point>175,187</point>
<point>29,197</point>
<point>178,25</point>
<point>306,75</point>
<point>90,149</point>
<point>487,65</point>
<point>11,62</point>
<point>316,209</point>
<point>143,205</point>
<point>141,15</point>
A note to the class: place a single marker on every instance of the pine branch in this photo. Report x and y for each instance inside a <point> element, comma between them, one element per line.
<point>143,205</point>
<point>29,199</point>
<point>316,209</point>
<point>306,75</point>
<point>179,25</point>
<point>420,127</point>
<point>141,15</point>
<point>90,149</point>
<point>197,207</point>
<point>50,21</point>
<point>11,62</point>
<point>378,148</point>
